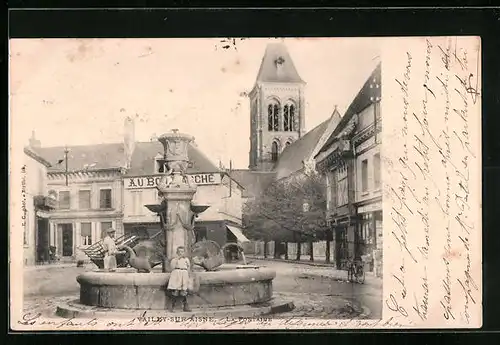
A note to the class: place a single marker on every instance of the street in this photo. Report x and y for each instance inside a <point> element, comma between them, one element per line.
<point>315,291</point>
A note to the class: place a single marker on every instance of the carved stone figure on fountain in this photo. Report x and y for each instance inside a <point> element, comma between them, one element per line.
<point>208,255</point>
<point>140,262</point>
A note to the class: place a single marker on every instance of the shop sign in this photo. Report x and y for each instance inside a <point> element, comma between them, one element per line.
<point>377,206</point>
<point>152,181</point>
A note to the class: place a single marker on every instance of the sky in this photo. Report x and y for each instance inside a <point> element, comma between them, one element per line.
<point>79,91</point>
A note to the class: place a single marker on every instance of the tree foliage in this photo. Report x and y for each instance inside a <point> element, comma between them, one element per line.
<point>277,213</point>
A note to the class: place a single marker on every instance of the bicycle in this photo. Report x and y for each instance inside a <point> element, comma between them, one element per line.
<point>356,272</point>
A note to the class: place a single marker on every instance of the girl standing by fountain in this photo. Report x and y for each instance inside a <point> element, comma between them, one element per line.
<point>179,278</point>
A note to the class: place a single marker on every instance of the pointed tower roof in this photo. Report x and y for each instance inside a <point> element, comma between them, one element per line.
<point>277,66</point>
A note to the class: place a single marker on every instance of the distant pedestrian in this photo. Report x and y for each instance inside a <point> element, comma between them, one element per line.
<point>179,279</point>
<point>110,250</point>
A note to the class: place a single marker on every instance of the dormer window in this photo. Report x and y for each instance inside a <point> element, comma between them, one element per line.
<point>160,164</point>
<point>280,61</point>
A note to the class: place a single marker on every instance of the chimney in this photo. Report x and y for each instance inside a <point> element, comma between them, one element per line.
<point>34,143</point>
<point>129,140</point>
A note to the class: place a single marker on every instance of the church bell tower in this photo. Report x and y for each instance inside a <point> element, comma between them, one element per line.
<point>276,108</point>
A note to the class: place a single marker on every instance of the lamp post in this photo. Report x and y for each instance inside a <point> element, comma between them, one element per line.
<point>311,242</point>
<point>305,224</point>
<point>329,238</point>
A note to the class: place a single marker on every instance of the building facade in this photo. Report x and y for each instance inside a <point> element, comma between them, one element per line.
<point>88,205</point>
<point>276,108</point>
<point>36,207</point>
<point>351,163</point>
<point>368,185</point>
<point>88,182</point>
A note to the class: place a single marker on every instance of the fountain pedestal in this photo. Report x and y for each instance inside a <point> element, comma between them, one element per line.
<point>177,192</point>
<point>178,231</point>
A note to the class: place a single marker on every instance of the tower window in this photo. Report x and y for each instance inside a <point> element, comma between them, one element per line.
<point>286,122</point>
<point>291,118</point>
<point>274,151</point>
<point>272,117</point>
<point>288,117</point>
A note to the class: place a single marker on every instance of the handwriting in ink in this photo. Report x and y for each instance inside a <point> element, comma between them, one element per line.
<point>445,57</point>
<point>467,84</point>
<point>401,198</point>
<point>446,283</point>
<point>421,307</point>
<point>468,284</point>
<point>393,305</point>
<point>404,245</point>
<point>424,249</point>
<point>424,126</point>
<point>462,61</point>
<point>401,280</point>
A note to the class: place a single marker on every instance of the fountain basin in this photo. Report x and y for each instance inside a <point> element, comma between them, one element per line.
<point>130,290</point>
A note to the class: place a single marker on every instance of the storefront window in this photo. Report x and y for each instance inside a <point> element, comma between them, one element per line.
<point>367,229</point>
<point>86,233</point>
<point>365,238</point>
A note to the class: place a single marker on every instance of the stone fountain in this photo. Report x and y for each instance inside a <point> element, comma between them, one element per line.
<point>224,290</point>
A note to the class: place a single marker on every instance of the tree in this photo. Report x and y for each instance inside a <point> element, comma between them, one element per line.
<point>277,214</point>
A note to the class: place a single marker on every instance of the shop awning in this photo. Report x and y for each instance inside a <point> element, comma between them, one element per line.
<point>238,234</point>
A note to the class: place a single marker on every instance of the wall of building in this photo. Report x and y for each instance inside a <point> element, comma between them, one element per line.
<point>76,214</point>
<point>225,201</point>
<point>35,183</point>
<point>134,210</point>
<point>372,191</point>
